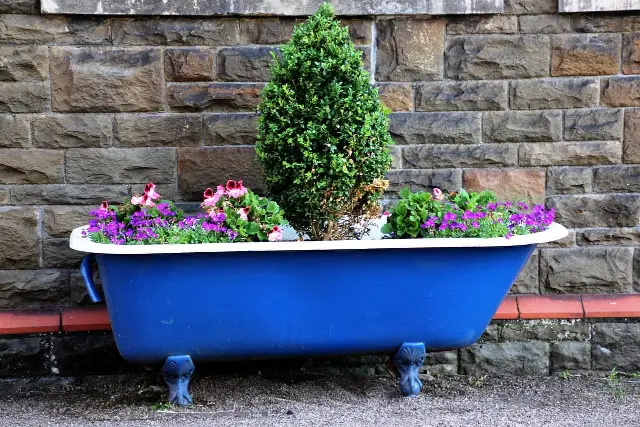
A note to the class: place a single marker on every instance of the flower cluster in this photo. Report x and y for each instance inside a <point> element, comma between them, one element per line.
<point>463,214</point>
<point>233,213</point>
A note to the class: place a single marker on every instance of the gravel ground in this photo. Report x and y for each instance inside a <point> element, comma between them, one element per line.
<point>338,401</point>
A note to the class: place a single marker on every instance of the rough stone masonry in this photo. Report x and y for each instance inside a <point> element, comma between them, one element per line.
<point>529,102</point>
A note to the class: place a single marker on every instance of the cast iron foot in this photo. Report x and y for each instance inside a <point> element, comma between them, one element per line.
<point>408,361</point>
<point>176,372</point>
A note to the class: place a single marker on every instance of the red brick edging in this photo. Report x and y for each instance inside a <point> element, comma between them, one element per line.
<point>513,307</point>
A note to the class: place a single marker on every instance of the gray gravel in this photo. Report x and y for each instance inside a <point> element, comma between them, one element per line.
<point>338,401</point>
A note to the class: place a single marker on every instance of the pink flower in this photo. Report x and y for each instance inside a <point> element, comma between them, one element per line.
<point>437,194</point>
<point>235,189</point>
<point>244,212</point>
<point>210,198</point>
<point>104,206</point>
<point>137,200</point>
<point>276,234</point>
<point>147,201</point>
<point>385,214</point>
<point>150,191</point>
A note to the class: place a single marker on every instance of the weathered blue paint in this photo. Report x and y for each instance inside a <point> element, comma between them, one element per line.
<point>225,306</point>
<point>408,360</point>
<point>176,372</point>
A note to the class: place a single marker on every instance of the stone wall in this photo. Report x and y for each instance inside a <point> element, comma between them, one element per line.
<point>535,347</point>
<point>529,102</point>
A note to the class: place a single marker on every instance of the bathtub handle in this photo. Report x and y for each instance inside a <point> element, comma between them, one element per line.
<point>86,269</point>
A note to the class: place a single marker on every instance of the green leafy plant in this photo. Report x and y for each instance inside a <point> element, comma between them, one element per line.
<point>323,140</point>
<point>462,214</point>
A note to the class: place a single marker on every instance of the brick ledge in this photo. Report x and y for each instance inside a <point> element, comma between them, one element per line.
<point>96,318</point>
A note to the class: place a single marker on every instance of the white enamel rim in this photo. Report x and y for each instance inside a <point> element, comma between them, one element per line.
<point>83,244</point>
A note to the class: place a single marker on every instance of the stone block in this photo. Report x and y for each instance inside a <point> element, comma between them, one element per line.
<point>78,291</point>
<point>176,31</point>
<point>456,96</point>
<point>571,153</point>
<point>14,131</point>
<point>72,130</point>
<point>19,6</point>
<point>609,237</point>
<point>528,281</point>
<point>214,97</point>
<point>24,97</point>
<point>24,63</point>
<point>68,194</point>
<point>36,29</point>
<point>360,30</point>
<point>631,146</point>
<point>631,53</point>
<point>271,30</point>
<point>585,54</point>
<point>231,129</point>
<point>497,57</point>
<point>586,270</point>
<point>187,65</point>
<point>553,93</point>
<point>56,253</point>
<point>459,156</point>
<point>126,165</point>
<point>424,180</point>
<point>620,91</point>
<point>570,355</point>
<point>87,354</point>
<point>522,126</point>
<point>396,156</point>
<point>32,288</point>
<point>19,239</point>
<point>106,79</point>
<point>508,184</point>
<point>199,168</point>
<point>546,330</point>
<point>530,7</point>
<point>606,23</point>
<point>244,64</point>
<point>507,358</point>
<point>5,196</point>
<point>409,49</point>
<point>616,345</point>
<point>435,128</point>
<point>545,24</point>
<point>585,211</point>
<point>277,7</point>
<point>59,221</point>
<point>617,179</point>
<point>396,96</point>
<point>482,24</point>
<point>442,363</point>
<point>24,356</point>
<point>569,180</point>
<point>158,130</point>
<point>593,124</point>
<point>31,166</point>
<point>566,242</point>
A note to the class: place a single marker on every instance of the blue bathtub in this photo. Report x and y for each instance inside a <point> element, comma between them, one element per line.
<point>183,303</point>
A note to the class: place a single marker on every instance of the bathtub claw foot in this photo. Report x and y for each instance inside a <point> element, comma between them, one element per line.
<point>408,360</point>
<point>176,372</point>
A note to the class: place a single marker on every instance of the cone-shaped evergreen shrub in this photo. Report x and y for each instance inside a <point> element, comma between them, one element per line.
<point>323,139</point>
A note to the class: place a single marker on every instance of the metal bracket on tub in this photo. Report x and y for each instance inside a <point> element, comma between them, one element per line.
<point>408,360</point>
<point>176,372</point>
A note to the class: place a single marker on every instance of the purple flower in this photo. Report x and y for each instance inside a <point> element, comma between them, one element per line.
<point>450,216</point>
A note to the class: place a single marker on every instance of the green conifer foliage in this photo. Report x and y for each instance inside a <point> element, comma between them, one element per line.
<point>323,139</point>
